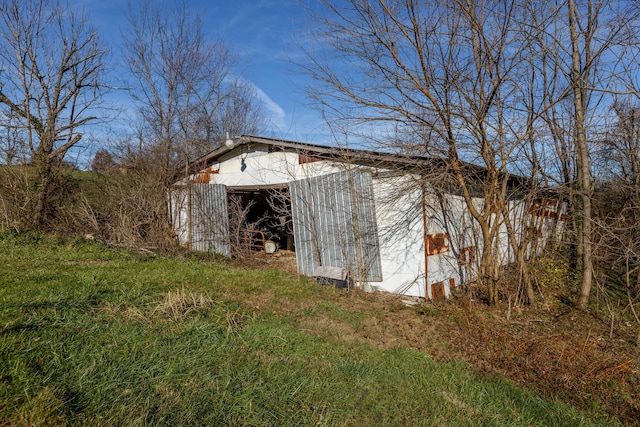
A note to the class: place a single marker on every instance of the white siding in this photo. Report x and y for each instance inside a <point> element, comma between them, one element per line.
<point>398,203</point>
<point>258,166</point>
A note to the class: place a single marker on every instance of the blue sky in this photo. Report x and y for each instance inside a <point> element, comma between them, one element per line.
<point>264,34</point>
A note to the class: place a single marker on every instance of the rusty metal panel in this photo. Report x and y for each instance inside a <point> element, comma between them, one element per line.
<point>334,224</point>
<point>436,244</point>
<point>437,291</point>
<point>200,217</point>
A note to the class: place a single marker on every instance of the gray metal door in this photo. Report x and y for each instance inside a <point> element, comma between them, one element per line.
<point>200,217</point>
<point>334,224</point>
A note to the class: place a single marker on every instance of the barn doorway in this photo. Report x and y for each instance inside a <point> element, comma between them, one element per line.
<point>260,219</point>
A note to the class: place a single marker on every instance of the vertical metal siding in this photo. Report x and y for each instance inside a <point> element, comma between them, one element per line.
<point>333,217</point>
<point>368,229</point>
<point>305,226</point>
<point>204,226</point>
<point>210,218</point>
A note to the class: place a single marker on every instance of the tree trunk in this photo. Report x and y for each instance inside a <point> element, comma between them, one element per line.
<point>582,157</point>
<point>42,188</point>
<point>520,251</point>
<point>487,273</point>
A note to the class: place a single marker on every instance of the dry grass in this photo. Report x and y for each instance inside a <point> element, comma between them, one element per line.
<point>179,304</point>
<point>173,305</point>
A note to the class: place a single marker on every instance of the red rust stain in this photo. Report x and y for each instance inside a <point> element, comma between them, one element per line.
<point>436,244</point>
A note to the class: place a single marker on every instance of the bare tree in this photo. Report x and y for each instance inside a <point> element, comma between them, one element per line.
<point>583,68</point>
<point>445,73</point>
<point>187,88</point>
<point>617,196</point>
<point>580,79</point>
<point>51,80</point>
<point>480,82</point>
<point>188,92</point>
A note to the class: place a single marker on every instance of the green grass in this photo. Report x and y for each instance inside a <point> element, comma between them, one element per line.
<point>91,335</point>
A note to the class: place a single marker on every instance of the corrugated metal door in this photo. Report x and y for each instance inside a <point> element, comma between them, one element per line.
<point>200,217</point>
<point>334,224</point>
<point>210,218</point>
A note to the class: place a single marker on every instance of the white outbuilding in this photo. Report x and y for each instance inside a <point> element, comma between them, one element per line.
<point>368,218</point>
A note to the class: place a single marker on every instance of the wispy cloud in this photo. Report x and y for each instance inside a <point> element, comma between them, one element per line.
<point>276,114</point>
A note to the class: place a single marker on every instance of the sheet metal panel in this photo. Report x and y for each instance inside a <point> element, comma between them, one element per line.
<point>334,224</point>
<point>210,219</point>
<point>200,217</point>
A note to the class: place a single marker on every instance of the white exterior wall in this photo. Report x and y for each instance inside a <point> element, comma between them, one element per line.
<point>179,215</point>
<point>256,166</point>
<point>399,212</point>
<point>398,202</point>
<point>450,215</point>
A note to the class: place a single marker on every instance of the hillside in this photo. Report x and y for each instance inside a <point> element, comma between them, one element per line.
<point>91,334</point>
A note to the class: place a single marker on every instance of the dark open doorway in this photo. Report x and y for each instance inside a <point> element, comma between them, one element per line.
<point>260,219</point>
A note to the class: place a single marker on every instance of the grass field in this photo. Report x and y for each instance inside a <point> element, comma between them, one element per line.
<point>94,335</point>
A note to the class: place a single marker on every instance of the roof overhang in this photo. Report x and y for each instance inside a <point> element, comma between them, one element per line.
<point>414,164</point>
<point>323,151</point>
